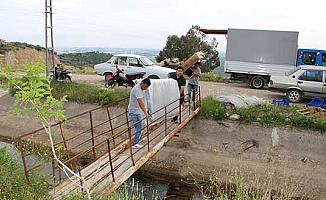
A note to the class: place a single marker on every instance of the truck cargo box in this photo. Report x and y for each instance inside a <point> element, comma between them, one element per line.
<point>262,46</point>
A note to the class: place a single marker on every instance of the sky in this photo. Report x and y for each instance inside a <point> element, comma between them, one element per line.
<point>148,23</point>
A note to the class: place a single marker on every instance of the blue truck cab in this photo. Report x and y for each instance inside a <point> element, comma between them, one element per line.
<point>311,57</point>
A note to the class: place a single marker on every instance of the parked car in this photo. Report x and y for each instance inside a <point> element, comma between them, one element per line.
<point>303,81</point>
<point>130,63</point>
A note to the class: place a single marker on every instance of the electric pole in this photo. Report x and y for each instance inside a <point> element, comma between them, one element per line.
<point>49,26</point>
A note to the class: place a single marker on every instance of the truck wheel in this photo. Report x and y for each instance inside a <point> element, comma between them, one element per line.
<point>294,95</point>
<point>257,82</point>
<point>107,76</point>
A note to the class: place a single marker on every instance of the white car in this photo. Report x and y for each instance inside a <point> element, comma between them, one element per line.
<point>130,63</point>
<point>303,81</point>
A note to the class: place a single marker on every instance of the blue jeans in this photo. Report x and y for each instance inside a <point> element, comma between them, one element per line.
<point>137,126</point>
<point>193,89</point>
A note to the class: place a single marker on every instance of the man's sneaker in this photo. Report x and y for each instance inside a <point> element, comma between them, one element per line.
<point>137,146</point>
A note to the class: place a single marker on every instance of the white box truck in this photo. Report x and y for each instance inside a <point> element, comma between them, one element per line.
<point>253,55</point>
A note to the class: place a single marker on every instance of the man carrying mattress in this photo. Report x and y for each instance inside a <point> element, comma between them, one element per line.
<point>181,84</point>
<point>136,107</point>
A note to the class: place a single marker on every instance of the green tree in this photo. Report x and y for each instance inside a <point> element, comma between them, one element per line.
<point>36,95</point>
<point>186,45</point>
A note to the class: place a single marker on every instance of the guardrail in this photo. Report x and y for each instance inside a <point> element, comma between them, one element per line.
<point>100,134</point>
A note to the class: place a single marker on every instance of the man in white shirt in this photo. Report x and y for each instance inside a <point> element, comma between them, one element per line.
<point>136,107</point>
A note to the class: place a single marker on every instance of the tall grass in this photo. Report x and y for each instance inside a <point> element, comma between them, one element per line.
<point>212,77</point>
<point>79,92</point>
<point>265,114</point>
<point>130,191</point>
<point>13,184</point>
<point>238,184</point>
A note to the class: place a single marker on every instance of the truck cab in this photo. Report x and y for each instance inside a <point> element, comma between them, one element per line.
<point>311,57</point>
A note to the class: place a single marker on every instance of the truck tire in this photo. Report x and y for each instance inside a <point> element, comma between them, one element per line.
<point>257,82</point>
<point>294,95</point>
<point>107,75</point>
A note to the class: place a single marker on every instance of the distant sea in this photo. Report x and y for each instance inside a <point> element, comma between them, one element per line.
<point>150,53</point>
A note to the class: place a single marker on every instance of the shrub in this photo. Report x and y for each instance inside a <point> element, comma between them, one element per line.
<point>84,93</point>
<point>212,108</point>
<point>13,184</point>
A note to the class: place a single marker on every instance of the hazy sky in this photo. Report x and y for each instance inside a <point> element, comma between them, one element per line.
<point>147,23</point>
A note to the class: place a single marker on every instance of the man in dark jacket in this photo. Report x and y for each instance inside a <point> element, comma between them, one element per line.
<point>181,84</point>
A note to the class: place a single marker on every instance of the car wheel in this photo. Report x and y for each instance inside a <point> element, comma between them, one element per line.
<point>107,76</point>
<point>294,95</point>
<point>257,82</point>
<point>153,77</point>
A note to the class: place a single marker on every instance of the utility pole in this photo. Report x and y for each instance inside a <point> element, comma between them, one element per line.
<point>48,16</point>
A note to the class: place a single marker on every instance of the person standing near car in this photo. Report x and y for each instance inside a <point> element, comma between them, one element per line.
<point>136,108</point>
<point>181,84</point>
<point>193,82</point>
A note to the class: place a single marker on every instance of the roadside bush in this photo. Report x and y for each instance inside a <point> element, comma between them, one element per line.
<point>13,184</point>
<point>210,76</point>
<point>212,108</point>
<point>84,93</point>
<point>265,114</point>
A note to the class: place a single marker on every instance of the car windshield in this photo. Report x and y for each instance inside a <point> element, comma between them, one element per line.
<point>292,71</point>
<point>146,61</point>
<point>112,59</point>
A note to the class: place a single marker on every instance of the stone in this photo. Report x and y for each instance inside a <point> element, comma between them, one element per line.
<point>234,117</point>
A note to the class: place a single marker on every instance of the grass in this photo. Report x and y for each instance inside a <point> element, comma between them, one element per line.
<point>13,184</point>
<point>130,191</point>
<point>84,93</point>
<point>212,77</point>
<point>212,108</point>
<point>265,114</point>
<point>244,184</point>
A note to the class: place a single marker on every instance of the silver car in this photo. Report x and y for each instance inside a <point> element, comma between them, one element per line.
<point>130,63</point>
<point>303,81</point>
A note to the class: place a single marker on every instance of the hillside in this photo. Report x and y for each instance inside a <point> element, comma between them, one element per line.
<point>86,59</point>
<point>13,53</point>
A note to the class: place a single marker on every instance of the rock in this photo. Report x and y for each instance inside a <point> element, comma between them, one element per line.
<point>304,160</point>
<point>275,137</point>
<point>234,117</point>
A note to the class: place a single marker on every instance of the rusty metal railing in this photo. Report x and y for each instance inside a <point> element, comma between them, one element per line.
<point>102,131</point>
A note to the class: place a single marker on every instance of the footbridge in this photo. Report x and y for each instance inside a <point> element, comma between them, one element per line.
<point>96,144</point>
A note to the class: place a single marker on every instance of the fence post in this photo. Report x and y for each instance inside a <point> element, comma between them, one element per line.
<point>109,150</point>
<point>179,111</point>
<point>92,132</point>
<point>23,158</point>
<point>165,119</point>
<point>132,157</point>
<point>65,144</point>
<point>199,98</point>
<point>79,171</point>
<point>111,126</point>
<point>147,134</point>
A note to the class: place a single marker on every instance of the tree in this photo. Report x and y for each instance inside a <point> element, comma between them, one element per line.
<point>185,46</point>
<point>35,95</point>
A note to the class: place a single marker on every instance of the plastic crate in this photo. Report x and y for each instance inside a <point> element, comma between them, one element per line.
<point>317,102</point>
<point>281,103</point>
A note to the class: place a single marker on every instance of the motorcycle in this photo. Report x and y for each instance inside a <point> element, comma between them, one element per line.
<point>127,80</point>
<point>62,76</point>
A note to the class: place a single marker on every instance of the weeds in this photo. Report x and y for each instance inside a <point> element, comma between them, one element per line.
<point>212,108</point>
<point>212,77</point>
<point>265,114</point>
<point>238,184</point>
<point>130,191</point>
<point>84,93</point>
<point>13,184</point>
